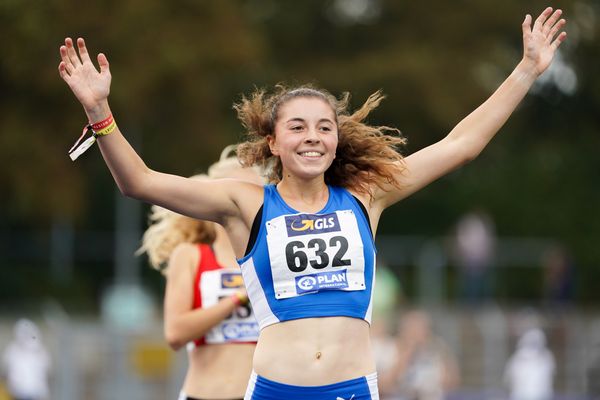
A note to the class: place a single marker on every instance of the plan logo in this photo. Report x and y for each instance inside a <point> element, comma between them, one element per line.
<point>309,224</point>
<point>240,330</point>
<point>330,280</point>
<point>231,280</point>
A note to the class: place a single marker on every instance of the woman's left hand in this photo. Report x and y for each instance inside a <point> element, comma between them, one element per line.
<point>541,41</point>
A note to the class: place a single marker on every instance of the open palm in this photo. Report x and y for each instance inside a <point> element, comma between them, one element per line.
<point>541,41</point>
<point>77,70</point>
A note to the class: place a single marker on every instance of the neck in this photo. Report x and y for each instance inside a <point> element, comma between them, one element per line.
<point>304,195</point>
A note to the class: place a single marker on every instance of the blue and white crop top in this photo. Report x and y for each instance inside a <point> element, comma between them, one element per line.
<point>311,265</point>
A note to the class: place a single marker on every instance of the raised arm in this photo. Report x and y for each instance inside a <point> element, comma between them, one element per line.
<point>212,200</point>
<point>475,131</point>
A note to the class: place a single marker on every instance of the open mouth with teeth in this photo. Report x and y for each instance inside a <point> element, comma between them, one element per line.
<point>310,154</point>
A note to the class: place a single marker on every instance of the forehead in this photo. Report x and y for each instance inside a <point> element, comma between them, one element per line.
<point>307,108</point>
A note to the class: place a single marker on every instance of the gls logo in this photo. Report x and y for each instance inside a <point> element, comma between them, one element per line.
<point>308,224</point>
<point>232,280</point>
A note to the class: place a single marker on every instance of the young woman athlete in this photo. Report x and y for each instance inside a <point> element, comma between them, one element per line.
<point>310,262</point>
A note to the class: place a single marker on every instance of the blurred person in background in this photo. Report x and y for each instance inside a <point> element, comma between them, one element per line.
<point>384,345</point>
<point>306,242</point>
<point>529,373</point>
<point>26,363</point>
<point>205,306</point>
<point>424,367</point>
<point>593,372</point>
<point>389,293</point>
<point>475,247</point>
<point>559,279</point>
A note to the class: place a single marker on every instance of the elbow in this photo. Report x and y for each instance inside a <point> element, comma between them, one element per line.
<point>174,341</point>
<point>468,157</point>
<point>464,149</point>
<point>134,187</point>
<point>175,345</point>
<point>468,153</point>
<point>128,191</point>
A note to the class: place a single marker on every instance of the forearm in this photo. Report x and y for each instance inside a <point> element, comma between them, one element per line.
<point>181,329</point>
<point>476,130</point>
<point>127,168</point>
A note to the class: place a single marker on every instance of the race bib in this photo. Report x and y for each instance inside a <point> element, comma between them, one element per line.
<point>310,253</point>
<point>240,326</point>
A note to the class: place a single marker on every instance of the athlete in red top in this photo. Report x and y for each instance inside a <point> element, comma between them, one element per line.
<point>205,306</point>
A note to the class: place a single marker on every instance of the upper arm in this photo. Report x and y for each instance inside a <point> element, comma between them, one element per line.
<point>206,199</point>
<point>179,293</point>
<point>421,168</point>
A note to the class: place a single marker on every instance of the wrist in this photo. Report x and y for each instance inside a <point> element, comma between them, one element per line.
<point>98,112</point>
<point>526,71</point>
<point>239,299</point>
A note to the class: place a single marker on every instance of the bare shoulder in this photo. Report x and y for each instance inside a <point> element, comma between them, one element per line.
<point>248,196</point>
<point>182,259</point>
<point>185,250</point>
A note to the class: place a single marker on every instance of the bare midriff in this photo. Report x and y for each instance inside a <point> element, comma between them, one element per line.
<point>219,371</point>
<point>314,351</point>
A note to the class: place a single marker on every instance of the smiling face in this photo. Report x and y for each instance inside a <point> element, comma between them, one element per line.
<point>306,137</point>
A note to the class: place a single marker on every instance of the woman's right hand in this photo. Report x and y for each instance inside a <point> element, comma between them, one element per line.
<point>89,86</point>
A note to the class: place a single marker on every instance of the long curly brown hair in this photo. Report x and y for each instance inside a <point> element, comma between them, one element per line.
<point>365,154</point>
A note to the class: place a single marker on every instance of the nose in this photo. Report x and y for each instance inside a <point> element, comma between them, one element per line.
<point>312,136</point>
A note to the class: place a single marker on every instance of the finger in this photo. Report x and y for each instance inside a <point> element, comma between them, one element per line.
<point>62,71</point>
<point>64,56</point>
<point>103,62</point>
<point>539,21</point>
<point>83,53</point>
<point>72,53</point>
<point>70,69</point>
<point>557,27</point>
<point>551,21</point>
<point>558,41</point>
<point>526,25</point>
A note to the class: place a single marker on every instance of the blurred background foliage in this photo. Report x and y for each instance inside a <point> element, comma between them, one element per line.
<point>178,66</point>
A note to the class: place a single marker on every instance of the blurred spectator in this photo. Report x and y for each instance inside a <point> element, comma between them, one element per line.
<point>384,346</point>
<point>558,276</point>
<point>424,367</point>
<point>389,291</point>
<point>529,373</point>
<point>593,374</point>
<point>475,248</point>
<point>26,363</point>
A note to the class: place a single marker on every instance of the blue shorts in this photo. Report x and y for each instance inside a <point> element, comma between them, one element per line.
<point>183,396</point>
<point>363,388</point>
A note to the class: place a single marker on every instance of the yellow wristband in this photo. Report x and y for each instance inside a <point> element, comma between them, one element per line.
<point>106,131</point>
